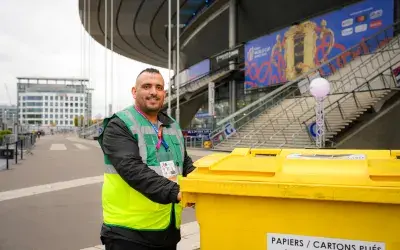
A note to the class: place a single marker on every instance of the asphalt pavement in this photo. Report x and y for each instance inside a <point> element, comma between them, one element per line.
<point>51,200</point>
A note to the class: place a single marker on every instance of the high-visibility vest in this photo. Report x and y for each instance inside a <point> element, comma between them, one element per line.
<point>124,206</point>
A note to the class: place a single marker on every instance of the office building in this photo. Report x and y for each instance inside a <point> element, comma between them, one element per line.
<point>53,102</point>
<point>8,112</point>
<point>8,116</point>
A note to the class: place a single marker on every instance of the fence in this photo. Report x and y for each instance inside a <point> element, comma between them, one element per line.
<point>12,148</point>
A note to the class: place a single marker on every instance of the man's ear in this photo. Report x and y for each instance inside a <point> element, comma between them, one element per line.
<point>134,92</point>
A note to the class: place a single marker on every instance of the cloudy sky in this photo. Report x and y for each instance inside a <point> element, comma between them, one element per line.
<point>44,38</point>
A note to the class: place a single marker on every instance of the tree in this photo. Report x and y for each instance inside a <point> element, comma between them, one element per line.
<point>79,121</point>
<point>82,120</point>
<point>76,121</point>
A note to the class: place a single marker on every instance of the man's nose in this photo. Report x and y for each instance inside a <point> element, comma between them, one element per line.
<point>153,90</point>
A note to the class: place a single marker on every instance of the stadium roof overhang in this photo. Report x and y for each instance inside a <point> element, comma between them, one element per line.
<point>141,33</point>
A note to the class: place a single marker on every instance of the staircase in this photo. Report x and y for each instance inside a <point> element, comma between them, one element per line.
<point>292,131</point>
<point>90,132</point>
<point>282,118</point>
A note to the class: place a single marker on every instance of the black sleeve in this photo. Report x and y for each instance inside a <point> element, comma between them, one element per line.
<point>187,164</point>
<point>123,152</point>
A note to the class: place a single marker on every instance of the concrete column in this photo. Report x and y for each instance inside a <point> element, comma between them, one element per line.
<point>232,43</point>
<point>182,60</point>
<point>232,23</point>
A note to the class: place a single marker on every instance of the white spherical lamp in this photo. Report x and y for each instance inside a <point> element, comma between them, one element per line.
<point>320,87</point>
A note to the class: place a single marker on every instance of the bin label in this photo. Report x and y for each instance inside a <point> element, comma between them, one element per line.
<point>328,157</point>
<point>298,242</point>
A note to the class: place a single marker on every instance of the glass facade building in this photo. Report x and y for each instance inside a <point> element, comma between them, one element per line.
<point>53,102</point>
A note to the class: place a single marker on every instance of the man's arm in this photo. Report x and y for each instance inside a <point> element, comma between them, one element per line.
<point>187,164</point>
<point>123,152</point>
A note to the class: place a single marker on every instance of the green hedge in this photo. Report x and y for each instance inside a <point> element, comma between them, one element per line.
<point>5,132</point>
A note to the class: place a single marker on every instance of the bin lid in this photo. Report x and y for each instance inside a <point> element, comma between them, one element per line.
<point>370,175</point>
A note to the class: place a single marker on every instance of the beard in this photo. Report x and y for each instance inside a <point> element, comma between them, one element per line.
<point>152,103</point>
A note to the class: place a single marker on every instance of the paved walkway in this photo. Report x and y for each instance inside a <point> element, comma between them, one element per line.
<point>52,199</point>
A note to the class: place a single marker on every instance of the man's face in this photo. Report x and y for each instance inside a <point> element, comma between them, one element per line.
<point>149,92</point>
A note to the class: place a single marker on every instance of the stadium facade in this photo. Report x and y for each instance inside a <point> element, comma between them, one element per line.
<point>235,53</point>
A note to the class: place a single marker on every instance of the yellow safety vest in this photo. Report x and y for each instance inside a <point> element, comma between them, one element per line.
<point>123,206</point>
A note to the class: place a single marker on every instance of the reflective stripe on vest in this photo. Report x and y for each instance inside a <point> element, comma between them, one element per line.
<point>111,170</point>
<point>134,209</point>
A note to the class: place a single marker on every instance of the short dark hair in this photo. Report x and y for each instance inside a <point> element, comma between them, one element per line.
<point>149,70</point>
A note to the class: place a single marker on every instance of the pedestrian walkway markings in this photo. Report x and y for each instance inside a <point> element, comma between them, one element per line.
<point>36,190</point>
<point>58,147</point>
<point>81,146</point>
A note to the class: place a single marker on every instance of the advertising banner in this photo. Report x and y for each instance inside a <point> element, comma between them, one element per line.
<point>396,74</point>
<point>197,133</point>
<point>194,72</point>
<point>287,54</point>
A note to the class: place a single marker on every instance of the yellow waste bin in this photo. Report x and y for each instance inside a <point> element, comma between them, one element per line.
<point>297,199</point>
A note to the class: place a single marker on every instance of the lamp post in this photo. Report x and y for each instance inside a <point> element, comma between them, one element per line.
<point>15,128</point>
<point>169,57</point>
<point>178,54</point>
<point>320,88</point>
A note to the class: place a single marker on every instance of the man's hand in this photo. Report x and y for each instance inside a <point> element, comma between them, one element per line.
<point>192,205</point>
<point>179,196</point>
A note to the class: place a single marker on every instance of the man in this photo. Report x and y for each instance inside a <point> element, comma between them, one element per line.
<point>145,156</point>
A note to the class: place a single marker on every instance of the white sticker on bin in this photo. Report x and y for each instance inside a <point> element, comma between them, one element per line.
<point>297,242</point>
<point>328,157</point>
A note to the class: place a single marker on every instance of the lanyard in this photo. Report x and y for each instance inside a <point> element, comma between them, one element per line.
<point>158,132</point>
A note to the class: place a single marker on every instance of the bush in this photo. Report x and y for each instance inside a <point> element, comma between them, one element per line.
<point>5,132</point>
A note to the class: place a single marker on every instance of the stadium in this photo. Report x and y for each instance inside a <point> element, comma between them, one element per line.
<point>245,66</point>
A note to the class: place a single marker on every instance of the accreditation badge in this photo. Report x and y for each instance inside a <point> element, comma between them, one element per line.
<point>169,170</point>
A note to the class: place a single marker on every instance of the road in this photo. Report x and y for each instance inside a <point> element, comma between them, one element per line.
<point>52,199</point>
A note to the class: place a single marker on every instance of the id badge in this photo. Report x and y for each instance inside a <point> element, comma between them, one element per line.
<point>167,165</point>
<point>169,170</point>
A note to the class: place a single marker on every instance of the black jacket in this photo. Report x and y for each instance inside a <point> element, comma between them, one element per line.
<point>123,152</point>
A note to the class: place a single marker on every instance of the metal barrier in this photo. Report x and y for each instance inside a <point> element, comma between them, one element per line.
<point>194,141</point>
<point>93,130</point>
<point>15,148</point>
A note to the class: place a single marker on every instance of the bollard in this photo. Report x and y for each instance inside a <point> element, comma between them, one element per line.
<point>22,149</point>
<point>16,153</point>
<point>7,156</point>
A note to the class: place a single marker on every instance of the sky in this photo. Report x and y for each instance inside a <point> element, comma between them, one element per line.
<point>44,38</point>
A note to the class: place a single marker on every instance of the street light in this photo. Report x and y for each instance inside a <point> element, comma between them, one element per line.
<point>320,88</point>
<point>178,48</point>
<point>169,57</point>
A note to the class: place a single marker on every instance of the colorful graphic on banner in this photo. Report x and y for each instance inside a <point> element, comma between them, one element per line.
<point>287,54</point>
